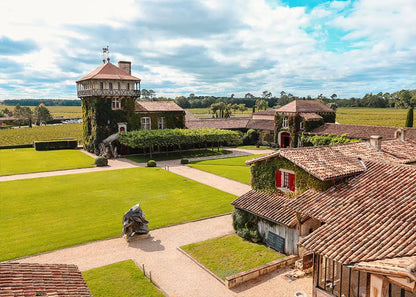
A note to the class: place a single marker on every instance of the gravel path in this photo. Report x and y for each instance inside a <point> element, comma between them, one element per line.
<point>170,269</point>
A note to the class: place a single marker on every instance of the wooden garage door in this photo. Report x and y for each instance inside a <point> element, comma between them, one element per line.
<point>276,242</point>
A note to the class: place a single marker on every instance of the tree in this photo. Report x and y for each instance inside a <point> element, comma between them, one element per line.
<point>191,96</point>
<point>334,96</point>
<point>145,94</point>
<point>267,95</point>
<point>242,108</point>
<point>249,96</point>
<point>23,114</point>
<point>232,96</point>
<point>409,118</point>
<point>151,94</point>
<point>261,104</point>
<point>182,102</point>
<point>41,114</point>
<point>235,107</point>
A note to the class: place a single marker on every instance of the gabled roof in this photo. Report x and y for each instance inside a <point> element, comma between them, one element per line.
<point>266,112</point>
<point>261,124</point>
<point>333,162</point>
<point>310,116</point>
<point>267,205</point>
<point>26,279</point>
<point>369,218</point>
<point>229,123</point>
<point>109,71</point>
<point>305,106</point>
<point>362,131</point>
<point>154,106</point>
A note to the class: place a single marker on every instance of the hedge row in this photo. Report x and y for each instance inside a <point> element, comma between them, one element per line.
<point>55,145</point>
<point>178,137</point>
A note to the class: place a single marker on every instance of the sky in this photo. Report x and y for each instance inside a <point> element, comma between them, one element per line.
<point>210,47</point>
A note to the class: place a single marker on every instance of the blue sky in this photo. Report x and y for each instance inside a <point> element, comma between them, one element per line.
<point>211,47</point>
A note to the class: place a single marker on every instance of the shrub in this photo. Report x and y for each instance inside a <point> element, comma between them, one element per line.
<point>55,145</point>
<point>184,161</point>
<point>245,225</point>
<point>151,163</point>
<point>101,161</point>
<point>409,117</point>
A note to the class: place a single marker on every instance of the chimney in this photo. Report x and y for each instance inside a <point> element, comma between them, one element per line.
<point>400,134</point>
<point>125,66</point>
<point>375,141</point>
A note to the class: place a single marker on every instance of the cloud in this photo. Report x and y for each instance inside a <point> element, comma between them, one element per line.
<point>11,47</point>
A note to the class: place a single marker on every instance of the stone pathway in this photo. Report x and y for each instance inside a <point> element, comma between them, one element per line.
<point>171,270</point>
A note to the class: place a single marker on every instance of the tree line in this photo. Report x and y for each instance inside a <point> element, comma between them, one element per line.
<point>46,102</point>
<point>25,116</point>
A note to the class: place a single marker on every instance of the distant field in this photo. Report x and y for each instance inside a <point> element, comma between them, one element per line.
<point>57,111</point>
<point>27,135</point>
<point>371,116</point>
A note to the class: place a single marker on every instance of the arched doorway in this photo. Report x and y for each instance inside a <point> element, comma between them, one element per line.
<point>285,139</point>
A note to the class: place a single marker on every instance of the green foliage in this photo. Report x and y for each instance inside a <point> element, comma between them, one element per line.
<point>151,163</point>
<point>251,137</point>
<point>319,140</point>
<point>228,255</point>
<point>245,224</point>
<point>41,114</point>
<point>409,118</point>
<point>178,137</point>
<point>123,279</point>
<point>21,136</point>
<point>263,176</point>
<point>101,161</point>
<point>55,145</point>
<point>77,208</point>
<point>184,161</point>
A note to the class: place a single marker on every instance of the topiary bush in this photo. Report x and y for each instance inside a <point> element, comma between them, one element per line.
<point>101,161</point>
<point>245,224</point>
<point>184,161</point>
<point>151,163</point>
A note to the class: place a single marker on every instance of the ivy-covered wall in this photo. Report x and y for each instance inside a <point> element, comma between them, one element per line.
<point>263,176</point>
<point>294,121</point>
<point>329,117</point>
<point>100,121</point>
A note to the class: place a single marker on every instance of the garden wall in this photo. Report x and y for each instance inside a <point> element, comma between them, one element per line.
<point>242,277</point>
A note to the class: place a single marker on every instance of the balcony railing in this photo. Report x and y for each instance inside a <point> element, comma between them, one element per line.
<point>110,93</point>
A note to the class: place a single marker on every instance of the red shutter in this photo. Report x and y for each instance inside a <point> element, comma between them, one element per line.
<point>292,182</point>
<point>278,179</point>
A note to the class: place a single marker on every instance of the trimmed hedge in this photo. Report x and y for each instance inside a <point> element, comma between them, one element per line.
<point>184,161</point>
<point>55,145</point>
<point>101,161</point>
<point>151,163</point>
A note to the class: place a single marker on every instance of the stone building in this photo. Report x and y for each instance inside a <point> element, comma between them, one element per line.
<point>110,105</point>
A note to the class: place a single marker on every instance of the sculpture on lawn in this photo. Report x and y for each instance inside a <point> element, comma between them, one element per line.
<point>134,223</point>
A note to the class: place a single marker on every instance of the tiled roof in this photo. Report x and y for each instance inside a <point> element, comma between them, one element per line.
<point>329,162</point>
<point>24,279</point>
<point>305,106</point>
<point>362,131</point>
<point>229,123</point>
<point>266,112</point>
<point>261,124</point>
<point>152,106</point>
<point>403,266</point>
<point>189,116</point>
<point>267,205</point>
<point>108,71</point>
<point>310,116</point>
<point>371,217</point>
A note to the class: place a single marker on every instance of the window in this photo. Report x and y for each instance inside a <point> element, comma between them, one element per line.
<point>128,86</point>
<point>115,103</point>
<point>146,123</point>
<point>285,180</point>
<point>161,123</point>
<point>119,86</point>
<point>285,122</point>
<point>101,85</point>
<point>110,86</point>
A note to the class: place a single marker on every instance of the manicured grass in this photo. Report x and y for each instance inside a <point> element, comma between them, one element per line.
<point>123,279</point>
<point>371,116</point>
<point>16,161</point>
<point>253,147</point>
<point>49,213</point>
<point>179,155</point>
<point>232,168</point>
<point>25,135</point>
<point>230,254</point>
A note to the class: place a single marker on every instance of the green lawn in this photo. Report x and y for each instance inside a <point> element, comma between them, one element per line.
<point>123,279</point>
<point>232,168</point>
<point>16,161</point>
<point>253,147</point>
<point>230,254</point>
<point>178,155</point>
<point>49,213</point>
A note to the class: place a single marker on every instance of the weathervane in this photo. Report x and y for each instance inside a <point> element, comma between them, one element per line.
<point>106,53</point>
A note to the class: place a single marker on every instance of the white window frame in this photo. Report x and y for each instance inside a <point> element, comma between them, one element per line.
<point>161,123</point>
<point>115,104</point>
<point>286,173</point>
<point>146,123</point>
<point>301,125</point>
<point>285,122</point>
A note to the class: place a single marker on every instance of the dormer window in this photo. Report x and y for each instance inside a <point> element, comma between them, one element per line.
<point>285,180</point>
<point>285,123</point>
<point>110,86</point>
<point>115,103</point>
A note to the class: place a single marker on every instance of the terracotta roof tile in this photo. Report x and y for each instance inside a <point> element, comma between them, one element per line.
<point>370,217</point>
<point>305,106</point>
<point>402,266</point>
<point>26,279</point>
<point>310,116</point>
<point>261,124</point>
<point>230,123</point>
<point>267,205</point>
<point>108,71</point>
<point>362,131</point>
<point>154,106</point>
<point>266,112</point>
